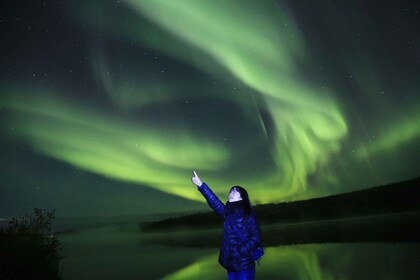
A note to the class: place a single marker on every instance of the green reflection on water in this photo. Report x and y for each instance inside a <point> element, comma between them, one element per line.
<point>322,262</point>
<point>118,253</point>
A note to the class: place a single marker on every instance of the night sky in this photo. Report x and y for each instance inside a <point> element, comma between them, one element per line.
<point>107,106</point>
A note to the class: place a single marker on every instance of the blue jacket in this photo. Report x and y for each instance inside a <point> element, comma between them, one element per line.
<point>235,252</point>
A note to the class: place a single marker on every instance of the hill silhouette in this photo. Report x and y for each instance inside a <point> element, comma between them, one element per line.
<point>383,213</point>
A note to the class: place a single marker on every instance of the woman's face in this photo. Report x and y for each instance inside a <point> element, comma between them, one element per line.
<point>234,195</point>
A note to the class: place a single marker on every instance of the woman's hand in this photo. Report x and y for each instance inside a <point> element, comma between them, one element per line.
<point>196,181</point>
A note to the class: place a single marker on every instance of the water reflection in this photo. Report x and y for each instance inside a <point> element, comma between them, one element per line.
<point>120,253</point>
<point>322,262</point>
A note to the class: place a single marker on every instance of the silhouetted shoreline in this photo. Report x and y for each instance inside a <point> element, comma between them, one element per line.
<point>389,213</point>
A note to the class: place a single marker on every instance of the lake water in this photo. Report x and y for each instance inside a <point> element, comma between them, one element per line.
<point>118,250</point>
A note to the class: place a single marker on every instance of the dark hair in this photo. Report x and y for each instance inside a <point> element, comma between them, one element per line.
<point>245,198</point>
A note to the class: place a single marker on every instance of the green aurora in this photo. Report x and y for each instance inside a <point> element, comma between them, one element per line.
<point>231,89</point>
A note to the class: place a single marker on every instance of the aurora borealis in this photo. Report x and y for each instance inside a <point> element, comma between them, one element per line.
<point>107,106</point>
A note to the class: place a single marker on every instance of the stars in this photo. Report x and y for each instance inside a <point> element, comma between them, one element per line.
<point>226,97</point>
<point>372,138</point>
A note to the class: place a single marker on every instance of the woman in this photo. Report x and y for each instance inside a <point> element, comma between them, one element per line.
<point>241,232</point>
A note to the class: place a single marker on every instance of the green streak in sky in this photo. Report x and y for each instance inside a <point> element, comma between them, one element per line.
<point>392,137</point>
<point>253,44</point>
<point>308,123</point>
<point>95,140</point>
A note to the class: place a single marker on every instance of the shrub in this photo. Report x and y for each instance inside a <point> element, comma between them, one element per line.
<point>28,250</point>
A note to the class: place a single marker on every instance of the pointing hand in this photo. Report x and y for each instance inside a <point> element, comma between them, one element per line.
<point>196,180</point>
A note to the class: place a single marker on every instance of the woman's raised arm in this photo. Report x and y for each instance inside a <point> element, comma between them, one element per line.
<point>213,201</point>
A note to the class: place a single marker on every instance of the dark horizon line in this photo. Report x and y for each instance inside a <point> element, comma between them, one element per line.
<point>176,213</point>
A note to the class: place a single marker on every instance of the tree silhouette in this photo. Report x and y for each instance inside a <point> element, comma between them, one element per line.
<point>28,250</point>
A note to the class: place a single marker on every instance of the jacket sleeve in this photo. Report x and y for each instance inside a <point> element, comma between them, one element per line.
<point>254,239</point>
<point>212,200</point>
